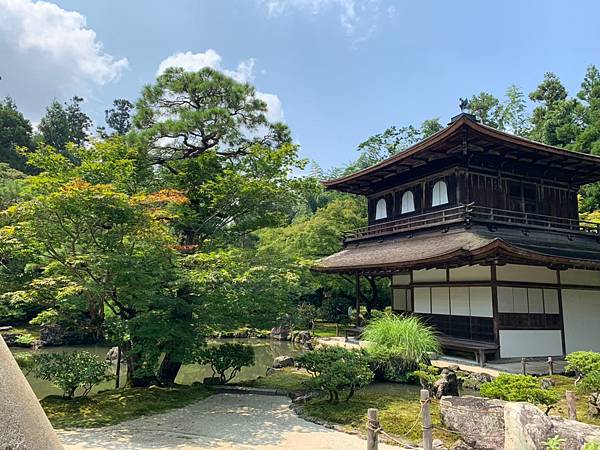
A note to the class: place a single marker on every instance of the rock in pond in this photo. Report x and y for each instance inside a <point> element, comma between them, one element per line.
<point>283,361</point>
<point>281,333</point>
<point>446,385</point>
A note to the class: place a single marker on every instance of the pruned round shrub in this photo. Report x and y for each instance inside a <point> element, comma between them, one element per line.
<point>519,388</point>
<point>582,363</point>
<point>226,360</point>
<point>69,371</point>
<point>590,385</point>
<point>335,369</point>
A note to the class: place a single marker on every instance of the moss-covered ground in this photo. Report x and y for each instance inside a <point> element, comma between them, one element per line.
<point>115,406</point>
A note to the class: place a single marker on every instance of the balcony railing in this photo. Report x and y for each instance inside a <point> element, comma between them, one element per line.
<point>469,214</point>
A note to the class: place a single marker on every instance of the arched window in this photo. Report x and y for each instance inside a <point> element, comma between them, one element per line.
<point>439,195</point>
<point>381,210</point>
<point>408,202</point>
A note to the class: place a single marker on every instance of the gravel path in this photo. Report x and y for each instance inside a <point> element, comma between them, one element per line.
<point>223,421</point>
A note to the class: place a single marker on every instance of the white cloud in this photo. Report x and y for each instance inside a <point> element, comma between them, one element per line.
<point>48,52</point>
<point>243,73</point>
<point>354,15</point>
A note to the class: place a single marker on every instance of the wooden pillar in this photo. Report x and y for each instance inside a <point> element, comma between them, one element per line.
<point>357,299</point>
<point>373,423</point>
<point>560,311</point>
<point>496,316</point>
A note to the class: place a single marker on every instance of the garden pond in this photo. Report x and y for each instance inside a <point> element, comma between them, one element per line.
<point>265,351</point>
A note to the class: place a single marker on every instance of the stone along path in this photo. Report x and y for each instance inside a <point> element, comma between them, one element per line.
<point>223,421</point>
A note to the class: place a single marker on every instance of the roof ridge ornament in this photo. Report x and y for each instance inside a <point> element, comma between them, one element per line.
<point>464,105</point>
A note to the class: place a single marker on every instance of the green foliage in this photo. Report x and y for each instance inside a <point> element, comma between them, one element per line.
<point>427,375</point>
<point>25,339</point>
<point>69,371</point>
<point>118,117</point>
<point>336,369</point>
<point>24,360</point>
<point>65,123</point>
<point>582,363</point>
<point>554,443</point>
<point>590,383</point>
<point>15,133</point>
<point>224,358</point>
<point>519,388</point>
<point>305,315</point>
<point>399,344</point>
<point>591,446</point>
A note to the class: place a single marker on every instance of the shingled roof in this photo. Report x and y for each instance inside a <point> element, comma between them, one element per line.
<point>461,246</point>
<point>465,133</point>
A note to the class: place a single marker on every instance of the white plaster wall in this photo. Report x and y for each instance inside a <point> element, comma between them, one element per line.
<point>580,277</point>
<point>429,275</point>
<point>471,273</point>
<point>422,303</point>
<point>581,311</point>
<point>519,343</point>
<point>400,303</point>
<point>481,301</point>
<point>459,301</point>
<point>401,279</point>
<point>528,274</point>
<point>440,300</point>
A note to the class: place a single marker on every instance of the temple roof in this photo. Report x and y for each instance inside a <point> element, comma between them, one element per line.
<point>460,246</point>
<point>462,133</point>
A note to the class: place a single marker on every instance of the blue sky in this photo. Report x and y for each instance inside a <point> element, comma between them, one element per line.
<point>338,70</point>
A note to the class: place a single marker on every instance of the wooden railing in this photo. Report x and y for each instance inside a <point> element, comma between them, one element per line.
<point>469,214</point>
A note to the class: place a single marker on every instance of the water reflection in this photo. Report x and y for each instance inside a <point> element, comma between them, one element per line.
<point>265,351</point>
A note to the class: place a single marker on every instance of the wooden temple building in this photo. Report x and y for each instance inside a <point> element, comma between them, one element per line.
<point>479,232</point>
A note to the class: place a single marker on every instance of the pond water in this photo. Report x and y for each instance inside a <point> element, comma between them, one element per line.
<point>265,351</point>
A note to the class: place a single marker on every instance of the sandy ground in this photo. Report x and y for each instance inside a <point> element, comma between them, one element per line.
<point>223,421</point>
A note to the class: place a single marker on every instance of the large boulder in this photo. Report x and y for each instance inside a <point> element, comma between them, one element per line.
<point>528,428</point>
<point>479,421</point>
<point>281,333</point>
<point>24,425</point>
<point>302,337</point>
<point>446,385</point>
<point>283,361</point>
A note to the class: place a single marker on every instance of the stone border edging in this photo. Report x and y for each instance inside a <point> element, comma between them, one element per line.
<point>224,389</point>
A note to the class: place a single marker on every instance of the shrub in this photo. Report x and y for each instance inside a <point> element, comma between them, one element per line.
<point>554,443</point>
<point>399,344</point>
<point>24,360</point>
<point>69,371</point>
<point>582,363</point>
<point>305,316</point>
<point>335,369</point>
<point>590,384</point>
<point>226,357</point>
<point>519,388</point>
<point>25,339</point>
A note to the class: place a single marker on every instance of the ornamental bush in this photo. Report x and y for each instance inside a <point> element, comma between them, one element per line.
<point>226,360</point>
<point>399,345</point>
<point>582,363</point>
<point>335,369</point>
<point>519,388</point>
<point>69,371</point>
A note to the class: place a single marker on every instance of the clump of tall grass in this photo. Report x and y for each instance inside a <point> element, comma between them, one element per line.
<point>399,344</point>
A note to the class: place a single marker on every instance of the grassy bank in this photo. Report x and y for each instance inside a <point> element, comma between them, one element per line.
<point>115,406</point>
<point>288,379</point>
<point>563,384</point>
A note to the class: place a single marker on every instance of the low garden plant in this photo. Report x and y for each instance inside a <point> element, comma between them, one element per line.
<point>336,369</point>
<point>399,345</point>
<point>519,388</point>
<point>226,360</point>
<point>69,371</point>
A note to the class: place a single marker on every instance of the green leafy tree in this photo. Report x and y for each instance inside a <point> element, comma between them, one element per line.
<point>335,369</point>
<point>487,109</point>
<point>514,112</point>
<point>118,118</point>
<point>519,388</point>
<point>15,133</point>
<point>556,121</point>
<point>69,371</point>
<point>65,123</point>
<point>226,360</point>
